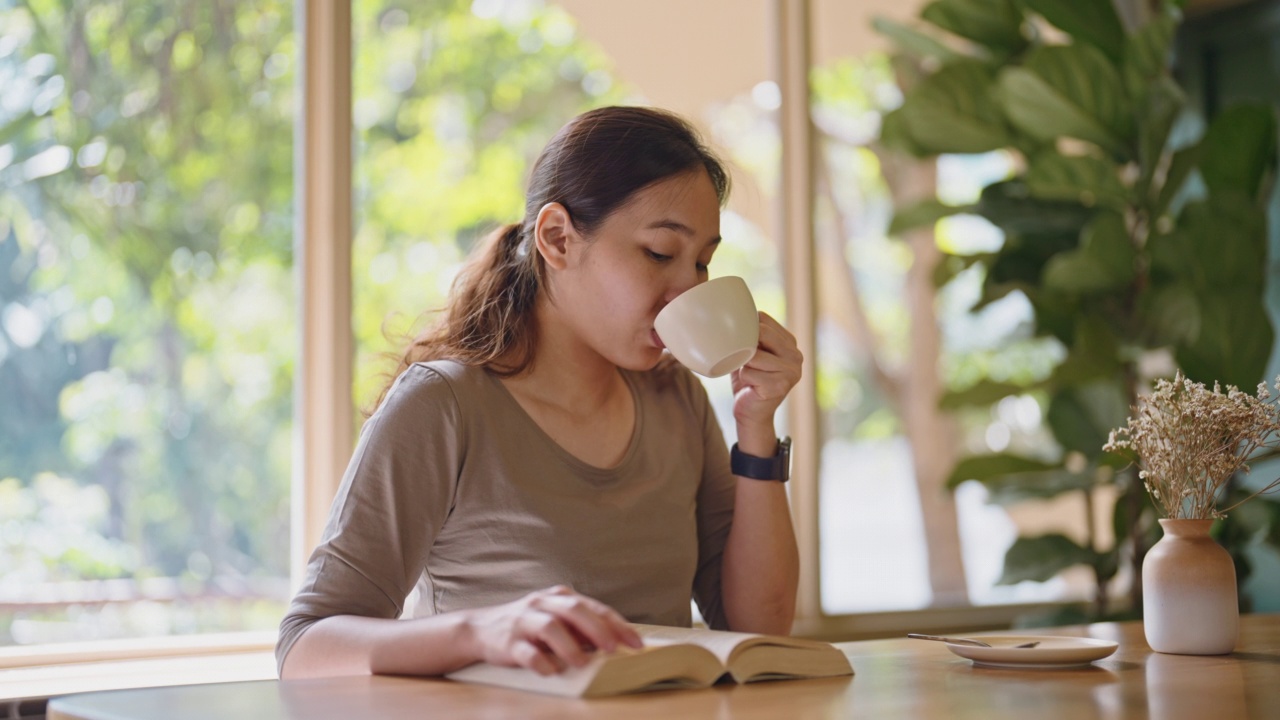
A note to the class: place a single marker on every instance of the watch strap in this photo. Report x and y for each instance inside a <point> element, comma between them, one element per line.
<point>776,468</point>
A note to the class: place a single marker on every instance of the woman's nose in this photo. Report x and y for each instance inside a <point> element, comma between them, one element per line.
<point>685,282</point>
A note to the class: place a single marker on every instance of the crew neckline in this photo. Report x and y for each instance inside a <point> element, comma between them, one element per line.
<point>633,444</point>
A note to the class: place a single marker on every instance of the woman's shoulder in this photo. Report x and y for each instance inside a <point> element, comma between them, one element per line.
<point>436,381</point>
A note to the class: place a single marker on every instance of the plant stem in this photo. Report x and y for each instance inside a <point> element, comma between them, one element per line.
<point>1091,528</point>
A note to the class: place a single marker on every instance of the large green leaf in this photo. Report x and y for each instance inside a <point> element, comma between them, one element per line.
<point>1219,244</point>
<point>1168,314</point>
<point>925,212</point>
<point>983,392</point>
<point>912,41</point>
<point>1180,167</point>
<point>985,467</point>
<point>1082,417</point>
<point>1084,179</point>
<point>1146,52</point>
<point>949,266</point>
<point>1089,81</point>
<point>895,134</point>
<point>1104,262</point>
<point>1055,315</point>
<point>1239,149</point>
<point>1234,341</point>
<point>1159,106</point>
<point>1093,352</point>
<point>1043,485</point>
<point>953,111</point>
<point>995,24</point>
<point>1092,21</point>
<point>1010,206</point>
<point>1071,91</point>
<point>1041,558</point>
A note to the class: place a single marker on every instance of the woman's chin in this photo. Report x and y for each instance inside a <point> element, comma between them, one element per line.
<point>650,359</point>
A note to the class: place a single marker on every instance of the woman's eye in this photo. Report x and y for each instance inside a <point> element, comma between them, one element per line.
<point>659,257</point>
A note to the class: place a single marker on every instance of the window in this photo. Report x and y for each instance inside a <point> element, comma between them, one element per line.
<point>146,316</point>
<point>148,307</point>
<point>452,103</point>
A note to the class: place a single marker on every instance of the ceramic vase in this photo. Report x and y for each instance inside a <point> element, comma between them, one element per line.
<point>1189,604</point>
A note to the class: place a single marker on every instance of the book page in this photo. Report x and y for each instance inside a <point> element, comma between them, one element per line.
<point>753,656</point>
<point>572,682</point>
<point>659,666</point>
<point>722,643</point>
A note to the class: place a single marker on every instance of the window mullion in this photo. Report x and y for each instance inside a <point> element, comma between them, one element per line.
<point>323,409</point>
<point>795,233</point>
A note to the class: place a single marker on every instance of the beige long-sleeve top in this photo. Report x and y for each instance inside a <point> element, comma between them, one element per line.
<point>453,490</point>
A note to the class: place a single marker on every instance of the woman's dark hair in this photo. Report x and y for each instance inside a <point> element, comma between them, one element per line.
<point>592,167</point>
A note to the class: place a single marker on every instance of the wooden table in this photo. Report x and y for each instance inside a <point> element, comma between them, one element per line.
<point>895,678</point>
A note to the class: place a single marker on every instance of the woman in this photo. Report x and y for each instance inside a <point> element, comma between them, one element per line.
<point>535,469</point>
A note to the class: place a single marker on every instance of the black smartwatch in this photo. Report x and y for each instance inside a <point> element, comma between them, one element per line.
<point>776,468</point>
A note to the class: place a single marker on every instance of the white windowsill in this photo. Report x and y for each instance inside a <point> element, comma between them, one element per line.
<point>65,668</point>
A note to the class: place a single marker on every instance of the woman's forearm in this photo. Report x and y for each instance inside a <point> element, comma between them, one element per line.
<point>353,645</point>
<point>546,631</point>
<point>761,565</point>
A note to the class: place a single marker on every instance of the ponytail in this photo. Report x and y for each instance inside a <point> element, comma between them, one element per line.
<point>489,319</point>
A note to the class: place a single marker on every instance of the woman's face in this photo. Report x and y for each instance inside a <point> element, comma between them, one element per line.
<point>647,252</point>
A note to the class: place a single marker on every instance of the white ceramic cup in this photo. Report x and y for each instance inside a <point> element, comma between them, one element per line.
<point>712,328</point>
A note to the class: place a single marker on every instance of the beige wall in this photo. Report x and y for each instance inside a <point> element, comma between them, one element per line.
<point>690,56</point>
<point>687,54</point>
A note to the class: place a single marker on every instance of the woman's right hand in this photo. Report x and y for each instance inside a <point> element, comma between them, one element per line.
<point>548,630</point>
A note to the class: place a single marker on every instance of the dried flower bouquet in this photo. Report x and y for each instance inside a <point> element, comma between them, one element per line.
<point>1188,441</point>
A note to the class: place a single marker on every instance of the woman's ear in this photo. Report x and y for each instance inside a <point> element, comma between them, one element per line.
<point>552,233</point>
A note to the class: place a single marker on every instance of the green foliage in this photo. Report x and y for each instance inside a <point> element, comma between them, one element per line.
<point>1042,557</point>
<point>1068,91</point>
<point>1117,250</point>
<point>924,213</point>
<point>147,307</point>
<point>994,24</point>
<point>954,110</point>
<point>1091,21</point>
<point>1012,478</point>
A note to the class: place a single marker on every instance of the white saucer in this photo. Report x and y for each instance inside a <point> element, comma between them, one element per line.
<point>1052,652</point>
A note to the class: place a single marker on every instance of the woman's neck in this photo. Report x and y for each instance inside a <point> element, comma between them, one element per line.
<point>565,373</point>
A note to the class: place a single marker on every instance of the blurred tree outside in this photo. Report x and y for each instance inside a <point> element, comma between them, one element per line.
<point>147,312</point>
<point>146,344</point>
<point>453,100</point>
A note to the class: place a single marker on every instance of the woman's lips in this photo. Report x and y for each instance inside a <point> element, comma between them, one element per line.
<point>653,334</point>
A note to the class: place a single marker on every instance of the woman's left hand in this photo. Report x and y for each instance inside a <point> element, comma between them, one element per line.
<point>761,385</point>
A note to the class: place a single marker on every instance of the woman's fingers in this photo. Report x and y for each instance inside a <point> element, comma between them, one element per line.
<point>528,654</point>
<point>777,340</point>
<point>766,385</point>
<point>597,623</point>
<point>549,630</point>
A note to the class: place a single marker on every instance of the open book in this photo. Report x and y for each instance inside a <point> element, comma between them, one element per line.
<point>674,658</point>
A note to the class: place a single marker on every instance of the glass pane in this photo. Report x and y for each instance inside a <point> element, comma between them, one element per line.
<point>893,338</point>
<point>146,317</point>
<point>453,102</point>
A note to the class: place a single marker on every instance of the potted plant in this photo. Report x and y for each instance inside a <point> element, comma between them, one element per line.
<point>1133,232</point>
<point>1189,441</point>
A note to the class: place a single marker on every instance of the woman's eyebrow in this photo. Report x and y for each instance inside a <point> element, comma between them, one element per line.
<point>680,228</point>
